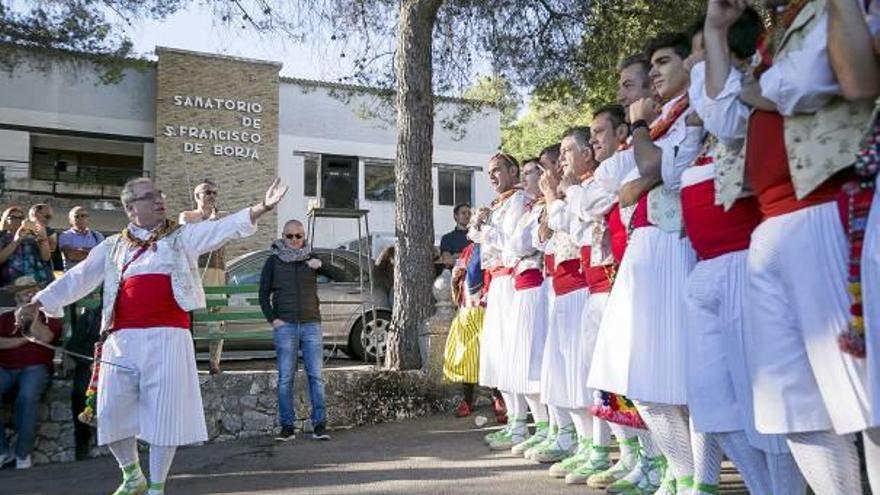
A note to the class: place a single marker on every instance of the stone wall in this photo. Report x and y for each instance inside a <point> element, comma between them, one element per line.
<point>243,404</point>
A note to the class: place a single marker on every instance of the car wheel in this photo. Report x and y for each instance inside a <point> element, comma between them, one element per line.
<point>369,341</point>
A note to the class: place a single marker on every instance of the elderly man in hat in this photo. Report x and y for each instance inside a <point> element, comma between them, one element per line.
<point>25,365</point>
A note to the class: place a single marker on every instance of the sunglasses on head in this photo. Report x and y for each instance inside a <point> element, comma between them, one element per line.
<point>294,236</point>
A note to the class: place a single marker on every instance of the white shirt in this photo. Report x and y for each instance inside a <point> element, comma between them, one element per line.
<point>197,238</point>
<point>496,232</point>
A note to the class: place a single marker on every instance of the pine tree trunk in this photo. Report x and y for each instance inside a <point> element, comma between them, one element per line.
<point>414,207</point>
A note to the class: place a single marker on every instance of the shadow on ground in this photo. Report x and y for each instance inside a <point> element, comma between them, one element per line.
<point>435,455</point>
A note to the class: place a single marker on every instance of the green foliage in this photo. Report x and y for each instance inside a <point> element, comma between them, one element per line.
<point>497,91</point>
<point>542,125</point>
<point>615,30</point>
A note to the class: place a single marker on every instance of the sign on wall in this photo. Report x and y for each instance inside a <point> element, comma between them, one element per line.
<point>216,119</point>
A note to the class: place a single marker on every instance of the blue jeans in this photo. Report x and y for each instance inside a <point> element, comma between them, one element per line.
<point>31,382</point>
<point>289,339</point>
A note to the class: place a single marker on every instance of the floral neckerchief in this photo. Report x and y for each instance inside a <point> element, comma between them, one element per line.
<point>160,232</point>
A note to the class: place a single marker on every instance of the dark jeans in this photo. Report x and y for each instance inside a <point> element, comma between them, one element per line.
<point>31,382</point>
<point>289,339</point>
<point>82,433</point>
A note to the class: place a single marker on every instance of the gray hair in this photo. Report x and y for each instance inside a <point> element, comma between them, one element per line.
<point>580,135</point>
<point>127,193</point>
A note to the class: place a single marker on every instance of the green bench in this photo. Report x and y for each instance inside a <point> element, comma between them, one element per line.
<point>219,311</point>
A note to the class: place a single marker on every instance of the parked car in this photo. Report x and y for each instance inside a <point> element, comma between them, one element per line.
<point>348,318</point>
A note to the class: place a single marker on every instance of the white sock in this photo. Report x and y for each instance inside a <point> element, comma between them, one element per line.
<point>553,414</point>
<point>828,461</point>
<point>785,476</point>
<point>508,402</point>
<point>622,433</point>
<point>871,438</point>
<point>563,441</point>
<point>519,409</point>
<point>749,461</point>
<point>125,451</point>
<point>649,446</point>
<point>601,432</point>
<point>671,430</point>
<point>583,422</point>
<point>160,462</point>
<point>707,460</point>
<point>539,411</point>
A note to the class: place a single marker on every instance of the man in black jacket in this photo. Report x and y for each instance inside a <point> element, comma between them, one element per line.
<point>289,300</point>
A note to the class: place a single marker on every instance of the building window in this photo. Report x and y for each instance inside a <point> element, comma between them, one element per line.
<point>311,162</point>
<point>379,181</point>
<point>454,186</point>
<point>84,167</point>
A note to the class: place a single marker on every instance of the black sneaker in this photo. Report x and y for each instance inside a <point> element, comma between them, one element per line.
<point>319,432</point>
<point>286,434</point>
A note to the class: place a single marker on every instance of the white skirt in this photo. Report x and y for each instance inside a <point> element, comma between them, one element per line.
<point>160,402</point>
<point>496,323</point>
<point>871,302</point>
<point>641,348</point>
<point>719,389</point>
<point>529,316</point>
<point>797,307</point>
<point>561,383</point>
<point>539,335</point>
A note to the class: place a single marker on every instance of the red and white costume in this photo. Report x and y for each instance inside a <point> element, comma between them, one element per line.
<point>145,313</point>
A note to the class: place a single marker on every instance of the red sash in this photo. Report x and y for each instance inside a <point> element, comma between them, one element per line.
<point>147,301</point>
<point>549,265</point>
<point>501,271</point>
<point>529,279</point>
<point>768,171</point>
<point>598,277</point>
<point>711,230</point>
<point>568,277</point>
<point>617,232</point>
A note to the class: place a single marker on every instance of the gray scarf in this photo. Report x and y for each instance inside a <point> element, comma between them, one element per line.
<point>288,254</point>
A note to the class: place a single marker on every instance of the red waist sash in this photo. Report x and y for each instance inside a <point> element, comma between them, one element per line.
<point>640,215</point>
<point>549,265</point>
<point>767,169</point>
<point>147,301</point>
<point>597,277</point>
<point>528,279</point>
<point>617,232</point>
<point>568,277</point>
<point>711,230</point>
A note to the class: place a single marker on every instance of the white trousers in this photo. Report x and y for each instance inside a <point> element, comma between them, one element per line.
<point>496,323</point>
<point>640,351</point>
<point>797,307</point>
<point>160,401</point>
<point>719,388</point>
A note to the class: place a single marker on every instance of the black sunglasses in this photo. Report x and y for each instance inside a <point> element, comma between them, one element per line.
<point>294,236</point>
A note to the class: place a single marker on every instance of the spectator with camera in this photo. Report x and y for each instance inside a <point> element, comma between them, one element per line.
<point>25,366</point>
<point>41,214</point>
<point>24,248</point>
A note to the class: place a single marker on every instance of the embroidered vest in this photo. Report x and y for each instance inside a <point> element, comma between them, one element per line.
<point>185,280</point>
<point>818,145</point>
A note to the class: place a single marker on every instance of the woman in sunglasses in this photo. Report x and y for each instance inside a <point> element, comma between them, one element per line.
<point>289,300</point>
<point>24,248</point>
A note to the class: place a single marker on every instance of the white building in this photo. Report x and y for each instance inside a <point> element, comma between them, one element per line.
<point>67,138</point>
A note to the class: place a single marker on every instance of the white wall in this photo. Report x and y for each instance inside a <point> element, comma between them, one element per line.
<point>312,120</point>
<point>68,95</point>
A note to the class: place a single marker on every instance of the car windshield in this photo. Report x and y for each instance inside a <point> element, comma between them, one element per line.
<point>336,267</point>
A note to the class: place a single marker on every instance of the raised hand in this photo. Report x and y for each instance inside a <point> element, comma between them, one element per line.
<point>721,14</point>
<point>646,109</point>
<point>274,194</point>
